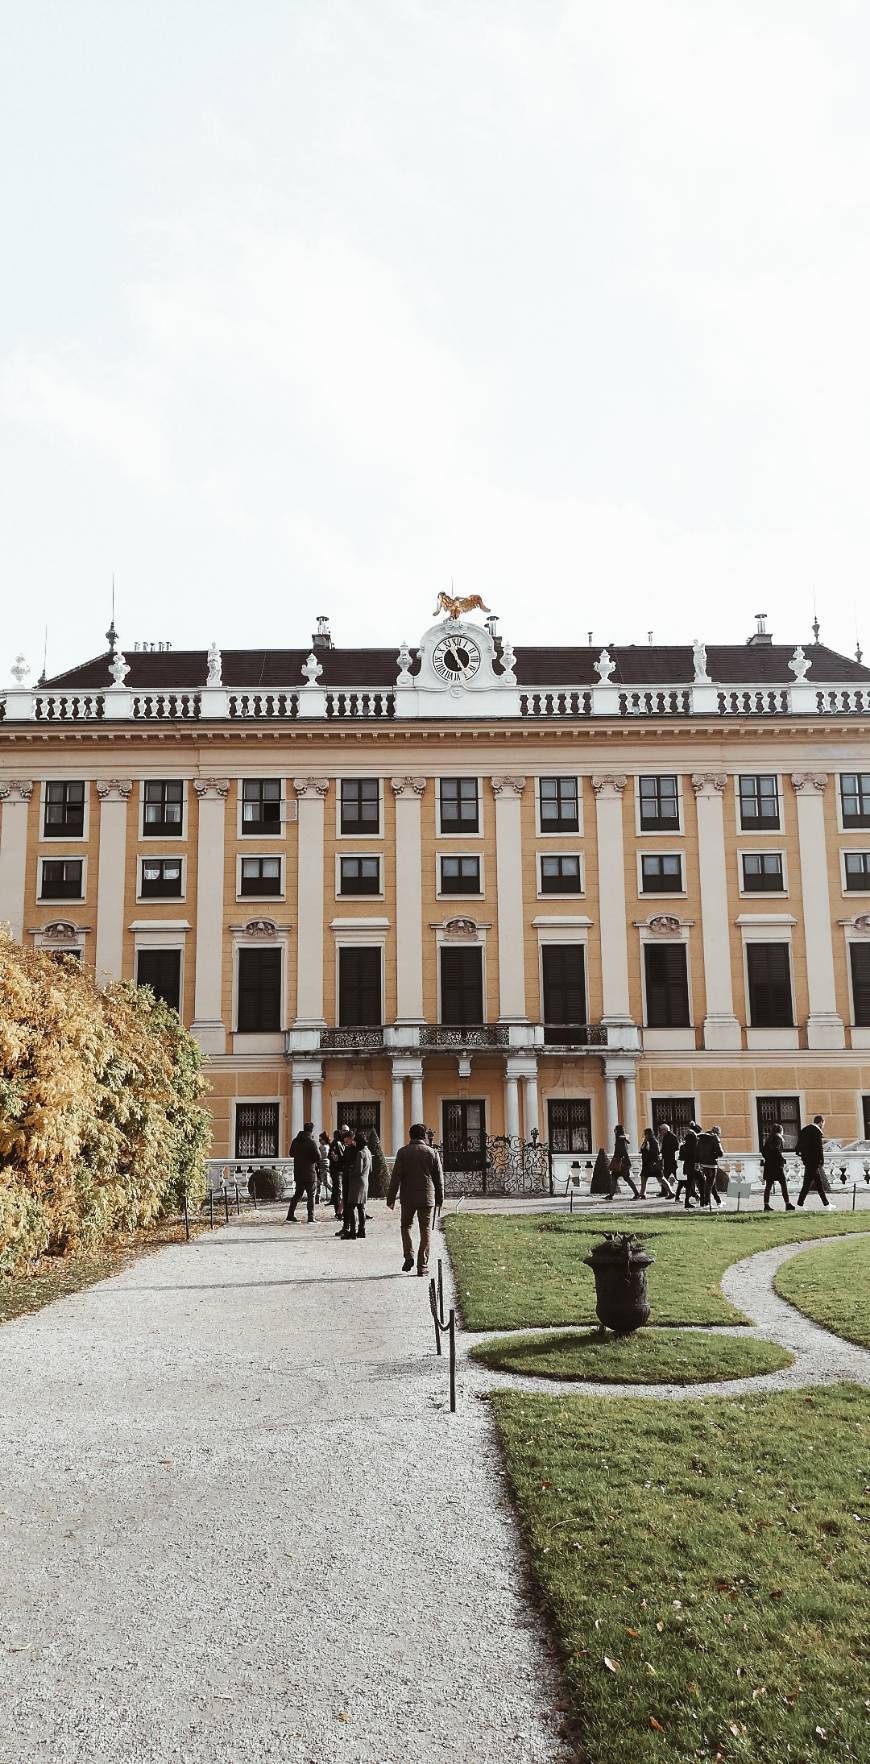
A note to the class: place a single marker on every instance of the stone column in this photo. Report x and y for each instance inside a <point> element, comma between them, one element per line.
<point>509,879</point>
<point>721,1028</point>
<point>629,1108</point>
<point>611,1108</point>
<point>397,1113</point>
<point>311,793</point>
<point>114,794</point>
<point>417,1094</point>
<point>15,797</point>
<point>317,1102</point>
<point>409,899</point>
<point>611,896</point>
<point>297,1104</point>
<point>208,1025</point>
<point>824,1024</point>
<point>530,1088</point>
<point>511,1105</point>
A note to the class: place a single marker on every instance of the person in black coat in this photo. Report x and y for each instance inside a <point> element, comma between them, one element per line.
<point>305,1153</point>
<point>651,1165</point>
<point>810,1149</point>
<point>773,1155</point>
<point>708,1154</point>
<point>620,1164</point>
<point>336,1169</point>
<point>689,1161</point>
<point>670,1148</point>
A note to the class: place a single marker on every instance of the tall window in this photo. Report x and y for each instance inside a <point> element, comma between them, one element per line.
<point>759,802</point>
<point>360,1117</point>
<point>782,1111</point>
<point>569,1124</point>
<point>560,874</point>
<point>865,1113</point>
<point>360,875</point>
<point>261,805</point>
<point>360,805</point>
<point>560,808</point>
<point>460,810</point>
<point>769,973</point>
<point>459,875</point>
<point>161,970</point>
<point>256,1130</point>
<point>64,811</point>
<point>163,807</point>
<point>659,804</point>
<point>857,871</point>
<point>762,872</point>
<point>260,876</point>
<point>855,798</point>
<point>259,989</point>
<point>161,879</point>
<point>359,986</point>
<point>563,974</point>
<point>61,879</point>
<point>461,985</point>
<point>667,985</point>
<point>859,957</point>
<point>661,874</point>
<point>678,1111</point>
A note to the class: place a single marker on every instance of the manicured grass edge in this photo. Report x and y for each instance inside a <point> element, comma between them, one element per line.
<point>768,1355</point>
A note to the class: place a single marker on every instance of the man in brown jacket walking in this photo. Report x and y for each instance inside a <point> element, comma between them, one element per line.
<point>419,1180</point>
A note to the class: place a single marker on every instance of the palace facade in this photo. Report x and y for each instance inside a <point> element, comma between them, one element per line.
<point>496,890</point>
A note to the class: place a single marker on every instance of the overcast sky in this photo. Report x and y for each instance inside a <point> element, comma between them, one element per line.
<point>311,306</point>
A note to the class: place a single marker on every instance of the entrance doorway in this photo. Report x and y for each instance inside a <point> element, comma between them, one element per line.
<point>464,1125</point>
<point>361,1117</point>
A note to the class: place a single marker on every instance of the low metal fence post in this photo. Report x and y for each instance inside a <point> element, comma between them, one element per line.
<point>238,1203</point>
<point>854,1191</point>
<point>211,1209</point>
<point>452,1361</point>
<point>186,1216</point>
<point>226,1204</point>
<point>433,1306</point>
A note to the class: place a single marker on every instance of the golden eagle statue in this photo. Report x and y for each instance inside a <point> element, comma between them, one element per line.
<point>455,605</point>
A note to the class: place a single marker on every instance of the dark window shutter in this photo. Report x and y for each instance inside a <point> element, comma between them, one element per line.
<point>462,986</point>
<point>161,970</point>
<point>770,1005</point>
<point>359,987</point>
<point>563,973</point>
<point>259,1005</point>
<point>667,985</point>
<point>859,955</point>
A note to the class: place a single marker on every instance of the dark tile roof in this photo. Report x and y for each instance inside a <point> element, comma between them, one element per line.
<point>636,665</point>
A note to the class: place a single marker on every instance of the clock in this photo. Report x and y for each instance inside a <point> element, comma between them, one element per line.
<point>456,659</point>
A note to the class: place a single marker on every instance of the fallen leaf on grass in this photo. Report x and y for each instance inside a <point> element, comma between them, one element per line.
<point>660,1626</point>
<point>650,1669</point>
<point>656,1724</point>
<point>694,1688</point>
<point>634,1632</point>
<point>612,1665</point>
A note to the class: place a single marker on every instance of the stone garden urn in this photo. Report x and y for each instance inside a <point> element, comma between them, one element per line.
<point>619,1264</point>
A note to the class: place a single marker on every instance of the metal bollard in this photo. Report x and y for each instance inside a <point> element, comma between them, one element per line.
<point>238,1207</point>
<point>186,1216</point>
<point>433,1306</point>
<point>853,1196</point>
<point>440,1290</point>
<point>452,1361</point>
<point>226,1205</point>
<point>571,1200</point>
<point>211,1209</point>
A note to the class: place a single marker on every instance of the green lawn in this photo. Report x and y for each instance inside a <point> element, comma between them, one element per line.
<point>832,1285</point>
<point>705,1566</point>
<point>54,1277</point>
<point>651,1356</point>
<point>519,1272</point>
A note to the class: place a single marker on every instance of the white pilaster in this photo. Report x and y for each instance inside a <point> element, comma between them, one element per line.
<point>114,794</point>
<point>397,1113</point>
<point>611,897</point>
<point>509,878</point>
<point>721,1028</point>
<point>530,1101</point>
<point>208,1025</point>
<point>511,1106</point>
<point>611,1108</point>
<point>629,1108</point>
<point>409,899</point>
<point>15,797</point>
<point>824,1024</point>
<point>317,1104</point>
<point>417,1096</point>
<point>311,793</point>
<point>297,1106</point>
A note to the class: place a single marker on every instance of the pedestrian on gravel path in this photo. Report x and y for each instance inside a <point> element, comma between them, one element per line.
<point>620,1164</point>
<point>337,1150</point>
<point>305,1153</point>
<point>709,1153</point>
<point>773,1163</point>
<point>689,1161</point>
<point>810,1149</point>
<point>322,1167</point>
<point>356,1187</point>
<point>670,1148</point>
<point>651,1165</point>
<point>418,1180</point>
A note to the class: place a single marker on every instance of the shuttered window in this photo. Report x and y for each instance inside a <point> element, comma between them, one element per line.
<point>161,970</point>
<point>859,956</point>
<point>259,1003</point>
<point>667,985</point>
<point>769,974</point>
<point>359,987</point>
<point>461,986</point>
<point>563,972</point>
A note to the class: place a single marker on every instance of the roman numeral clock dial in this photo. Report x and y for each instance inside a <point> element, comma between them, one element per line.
<point>456,659</point>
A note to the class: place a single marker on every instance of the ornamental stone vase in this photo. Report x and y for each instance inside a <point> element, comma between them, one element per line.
<point>619,1263</point>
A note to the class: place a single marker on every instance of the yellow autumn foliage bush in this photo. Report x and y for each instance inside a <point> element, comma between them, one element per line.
<point>102,1121</point>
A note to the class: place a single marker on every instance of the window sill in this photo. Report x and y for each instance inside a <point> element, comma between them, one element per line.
<point>771,1038</point>
<point>263,1042</point>
<point>675,1040</point>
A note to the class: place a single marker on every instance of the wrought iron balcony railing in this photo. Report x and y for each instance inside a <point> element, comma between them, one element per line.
<point>575,1035</point>
<point>358,1040</point>
<point>460,1035</point>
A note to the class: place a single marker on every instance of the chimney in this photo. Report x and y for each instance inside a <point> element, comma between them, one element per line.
<point>761,637</point>
<point>322,638</point>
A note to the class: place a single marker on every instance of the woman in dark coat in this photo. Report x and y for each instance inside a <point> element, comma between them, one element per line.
<point>356,1188</point>
<point>773,1156</point>
<point>620,1164</point>
<point>651,1165</point>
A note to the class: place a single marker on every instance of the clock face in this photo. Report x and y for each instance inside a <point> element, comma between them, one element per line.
<point>456,659</point>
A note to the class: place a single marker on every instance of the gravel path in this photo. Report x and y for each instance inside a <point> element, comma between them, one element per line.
<point>240,1524</point>
<point>820,1357</point>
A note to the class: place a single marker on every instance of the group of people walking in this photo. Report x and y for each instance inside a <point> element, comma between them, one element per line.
<point>341,1169</point>
<point>699,1154</point>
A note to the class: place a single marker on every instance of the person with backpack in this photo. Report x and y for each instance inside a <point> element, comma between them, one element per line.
<point>689,1161</point>
<point>620,1163</point>
<point>305,1153</point>
<point>709,1153</point>
<point>773,1164</point>
<point>651,1165</point>
<point>810,1149</point>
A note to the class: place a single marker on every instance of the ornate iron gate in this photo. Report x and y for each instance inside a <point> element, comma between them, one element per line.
<point>503,1165</point>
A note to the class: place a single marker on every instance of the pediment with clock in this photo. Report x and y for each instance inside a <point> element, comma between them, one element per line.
<point>462,670</point>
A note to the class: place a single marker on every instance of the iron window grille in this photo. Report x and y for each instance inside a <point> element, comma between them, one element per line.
<point>659,804</point>
<point>559,805</point>
<point>64,810</point>
<point>360,1117</point>
<point>855,799</point>
<point>256,1130</point>
<point>769,976</point>
<point>164,805</point>
<point>667,985</point>
<point>161,970</point>
<point>560,874</point>
<point>259,991</point>
<point>762,872</point>
<point>261,806</point>
<point>62,879</point>
<point>661,874</point>
<point>569,1124</point>
<point>857,871</point>
<point>360,805</point>
<point>161,879</point>
<point>260,876</point>
<point>759,803</point>
<point>360,875</point>
<point>677,1111</point>
<point>781,1111</point>
<point>460,875</point>
<point>459,806</point>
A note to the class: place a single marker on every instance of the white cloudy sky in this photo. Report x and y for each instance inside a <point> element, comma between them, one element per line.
<point>309,305</point>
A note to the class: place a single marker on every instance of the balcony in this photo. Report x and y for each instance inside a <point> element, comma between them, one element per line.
<point>575,1035</point>
<point>458,1036</point>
